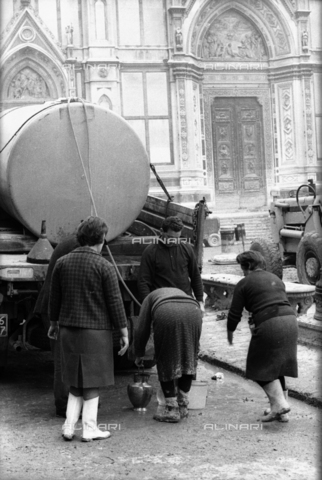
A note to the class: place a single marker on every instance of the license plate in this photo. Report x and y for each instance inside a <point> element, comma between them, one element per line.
<point>16,273</point>
<point>3,324</point>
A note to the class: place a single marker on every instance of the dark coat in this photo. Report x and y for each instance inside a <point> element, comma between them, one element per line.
<point>169,266</point>
<point>272,351</point>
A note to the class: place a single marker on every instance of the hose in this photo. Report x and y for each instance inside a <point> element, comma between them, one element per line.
<point>88,182</point>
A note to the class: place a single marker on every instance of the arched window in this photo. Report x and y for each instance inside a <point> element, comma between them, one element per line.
<point>100,20</point>
<point>105,102</point>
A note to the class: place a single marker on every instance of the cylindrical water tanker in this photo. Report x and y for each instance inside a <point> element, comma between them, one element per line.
<point>67,159</point>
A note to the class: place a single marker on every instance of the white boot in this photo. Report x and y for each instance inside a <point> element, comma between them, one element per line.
<point>279,405</point>
<point>284,417</point>
<point>90,430</point>
<point>74,407</point>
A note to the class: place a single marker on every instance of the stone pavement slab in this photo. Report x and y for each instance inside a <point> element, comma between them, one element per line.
<point>214,348</point>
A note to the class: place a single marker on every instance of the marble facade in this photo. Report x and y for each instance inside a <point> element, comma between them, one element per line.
<point>226,96</point>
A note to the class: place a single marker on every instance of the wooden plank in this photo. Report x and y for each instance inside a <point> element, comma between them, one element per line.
<point>155,201</point>
<point>171,209</point>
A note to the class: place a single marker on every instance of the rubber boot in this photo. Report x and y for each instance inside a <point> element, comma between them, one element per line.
<point>284,417</point>
<point>90,429</point>
<point>279,405</point>
<point>74,407</point>
<point>170,413</point>
<point>183,402</point>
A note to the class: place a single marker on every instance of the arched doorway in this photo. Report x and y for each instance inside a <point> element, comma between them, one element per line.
<point>235,43</point>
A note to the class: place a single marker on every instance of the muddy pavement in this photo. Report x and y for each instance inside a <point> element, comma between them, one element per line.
<point>223,441</point>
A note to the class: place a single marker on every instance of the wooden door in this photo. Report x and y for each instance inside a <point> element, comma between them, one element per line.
<point>238,151</point>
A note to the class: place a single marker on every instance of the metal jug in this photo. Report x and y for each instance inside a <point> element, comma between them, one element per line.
<point>140,392</point>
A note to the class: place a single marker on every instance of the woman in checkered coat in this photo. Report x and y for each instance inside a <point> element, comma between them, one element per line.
<point>85,304</point>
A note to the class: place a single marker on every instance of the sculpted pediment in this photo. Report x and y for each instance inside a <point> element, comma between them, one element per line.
<point>232,37</point>
<point>28,29</point>
<point>31,62</point>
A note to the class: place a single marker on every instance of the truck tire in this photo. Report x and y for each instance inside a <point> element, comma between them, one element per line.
<point>271,254</point>
<point>309,258</point>
<point>213,240</point>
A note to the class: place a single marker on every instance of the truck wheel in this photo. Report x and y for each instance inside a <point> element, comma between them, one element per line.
<point>271,254</point>
<point>213,240</point>
<point>309,258</point>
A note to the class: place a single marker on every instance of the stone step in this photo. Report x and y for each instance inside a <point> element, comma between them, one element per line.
<point>310,330</point>
<point>256,224</point>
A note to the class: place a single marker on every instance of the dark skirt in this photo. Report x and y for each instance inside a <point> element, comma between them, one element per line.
<point>87,357</point>
<point>176,330</point>
<point>273,349</point>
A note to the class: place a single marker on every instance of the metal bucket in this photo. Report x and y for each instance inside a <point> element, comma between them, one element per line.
<point>198,394</point>
<point>227,235</point>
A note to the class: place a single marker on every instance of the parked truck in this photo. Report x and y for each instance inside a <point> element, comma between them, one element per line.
<point>62,161</point>
<point>296,230</point>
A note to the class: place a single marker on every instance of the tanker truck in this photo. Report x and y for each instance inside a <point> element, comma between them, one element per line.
<point>62,161</point>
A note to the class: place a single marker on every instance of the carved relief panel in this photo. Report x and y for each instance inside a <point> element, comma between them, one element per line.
<point>232,37</point>
<point>28,84</point>
<point>238,150</point>
<point>287,125</point>
<point>247,30</point>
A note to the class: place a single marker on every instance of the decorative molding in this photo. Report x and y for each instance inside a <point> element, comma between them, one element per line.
<point>189,7</point>
<point>186,70</point>
<point>196,124</point>
<point>181,87</point>
<point>191,182</point>
<point>27,34</point>
<point>311,155</point>
<point>289,179</point>
<point>285,96</point>
<point>290,72</point>
<point>177,10</point>
<point>302,14</point>
<point>290,6</point>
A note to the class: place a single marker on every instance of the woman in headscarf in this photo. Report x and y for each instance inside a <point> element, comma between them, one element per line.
<point>272,353</point>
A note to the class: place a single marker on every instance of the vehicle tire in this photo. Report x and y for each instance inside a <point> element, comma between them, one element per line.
<point>271,254</point>
<point>309,258</point>
<point>213,240</point>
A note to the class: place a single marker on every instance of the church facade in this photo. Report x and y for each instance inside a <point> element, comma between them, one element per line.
<point>225,96</point>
